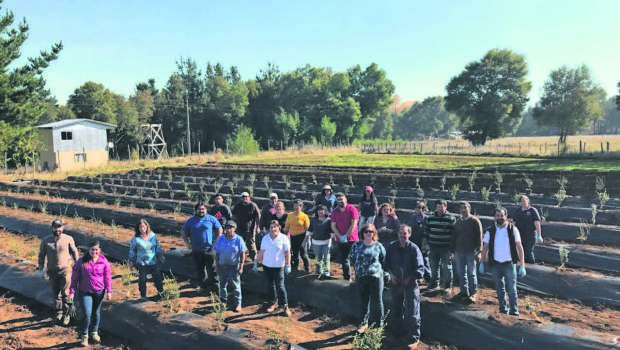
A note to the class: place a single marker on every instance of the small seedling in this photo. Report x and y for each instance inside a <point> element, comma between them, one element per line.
<point>603,198</point>
<point>454,190</point>
<point>594,212</point>
<point>43,206</point>
<point>515,198</point>
<point>171,293</point>
<point>584,231</point>
<point>219,309</point>
<point>117,203</point>
<point>443,182</point>
<point>560,195</point>
<point>499,179</point>
<point>127,273</point>
<point>485,193</point>
<point>419,192</point>
<point>471,180</point>
<point>563,251</point>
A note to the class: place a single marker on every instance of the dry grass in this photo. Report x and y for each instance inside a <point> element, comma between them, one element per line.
<point>25,248</point>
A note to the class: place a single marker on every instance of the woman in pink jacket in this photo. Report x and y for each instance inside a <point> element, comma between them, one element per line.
<point>91,280</point>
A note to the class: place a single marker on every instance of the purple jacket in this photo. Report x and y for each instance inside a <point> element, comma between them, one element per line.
<point>91,277</point>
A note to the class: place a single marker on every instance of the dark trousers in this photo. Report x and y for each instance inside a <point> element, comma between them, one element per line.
<point>297,250</point>
<point>406,310</point>
<point>529,242</point>
<point>345,249</point>
<point>371,294</point>
<point>250,242</point>
<point>275,284</point>
<point>205,269</point>
<point>153,270</point>
<point>60,281</point>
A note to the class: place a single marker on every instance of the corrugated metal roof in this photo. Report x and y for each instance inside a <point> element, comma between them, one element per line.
<point>67,122</point>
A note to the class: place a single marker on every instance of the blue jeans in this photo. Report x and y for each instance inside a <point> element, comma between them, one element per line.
<point>371,293</point>
<point>440,259</point>
<point>466,271</point>
<point>321,253</point>
<point>90,304</point>
<point>144,270</point>
<point>275,284</point>
<point>505,275</point>
<point>406,310</point>
<point>229,275</point>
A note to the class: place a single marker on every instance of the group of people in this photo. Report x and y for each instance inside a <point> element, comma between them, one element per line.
<point>222,240</point>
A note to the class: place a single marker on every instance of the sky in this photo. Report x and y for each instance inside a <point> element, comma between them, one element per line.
<point>420,44</point>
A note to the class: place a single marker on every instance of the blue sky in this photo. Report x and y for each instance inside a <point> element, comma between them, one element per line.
<point>420,44</point>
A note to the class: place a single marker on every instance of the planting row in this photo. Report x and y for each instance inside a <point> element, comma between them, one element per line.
<point>465,325</point>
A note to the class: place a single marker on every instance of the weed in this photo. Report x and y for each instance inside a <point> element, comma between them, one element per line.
<point>117,202</point>
<point>275,339</point>
<point>219,309</point>
<point>43,206</point>
<point>594,211</point>
<point>369,340</point>
<point>152,206</point>
<point>177,210</point>
<point>454,190</point>
<point>515,197</point>
<point>563,251</point>
<point>584,231</point>
<point>484,193</point>
<point>170,294</point>
<point>443,182</point>
<point>600,183</point>
<point>419,192</point>
<point>560,195</point>
<point>127,272</point>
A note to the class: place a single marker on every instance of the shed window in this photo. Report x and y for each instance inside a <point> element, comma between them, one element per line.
<point>66,135</point>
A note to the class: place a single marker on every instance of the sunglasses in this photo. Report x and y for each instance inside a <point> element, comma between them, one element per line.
<point>369,231</point>
<point>228,226</point>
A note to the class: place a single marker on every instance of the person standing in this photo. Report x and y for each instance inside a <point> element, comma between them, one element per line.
<point>267,211</point>
<point>230,251</point>
<point>405,263</point>
<point>417,222</point>
<point>467,245</point>
<point>145,253</point>
<point>320,231</point>
<point>199,233</point>
<point>368,207</point>
<point>247,217</point>
<point>275,255</point>
<point>527,220</point>
<point>326,197</point>
<point>220,210</point>
<point>439,229</point>
<point>297,224</point>
<point>61,254</point>
<point>367,257</point>
<point>91,281</point>
<point>503,252</point>
<point>387,223</point>
<point>344,226</point>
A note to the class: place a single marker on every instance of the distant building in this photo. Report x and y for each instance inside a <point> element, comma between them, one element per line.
<point>73,144</point>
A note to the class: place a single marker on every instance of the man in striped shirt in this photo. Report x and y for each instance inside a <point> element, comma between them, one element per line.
<point>438,233</point>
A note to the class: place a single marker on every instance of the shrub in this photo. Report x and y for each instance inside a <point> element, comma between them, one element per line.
<point>243,141</point>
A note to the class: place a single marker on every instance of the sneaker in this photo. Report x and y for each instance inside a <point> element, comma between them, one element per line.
<point>513,313</point>
<point>272,308</point>
<point>471,299</point>
<point>237,308</point>
<point>95,337</point>
<point>84,340</point>
<point>362,329</point>
<point>286,311</point>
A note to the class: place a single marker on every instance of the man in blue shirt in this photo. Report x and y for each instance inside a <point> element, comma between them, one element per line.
<point>230,250</point>
<point>200,232</point>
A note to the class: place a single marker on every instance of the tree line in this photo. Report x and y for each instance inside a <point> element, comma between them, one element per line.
<point>487,100</point>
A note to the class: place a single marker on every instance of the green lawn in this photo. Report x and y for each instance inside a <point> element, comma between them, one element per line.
<point>434,161</point>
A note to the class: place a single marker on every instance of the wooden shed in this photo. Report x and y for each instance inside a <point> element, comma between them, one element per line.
<point>73,144</point>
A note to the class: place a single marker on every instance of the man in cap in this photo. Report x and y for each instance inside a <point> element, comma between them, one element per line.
<point>200,232</point>
<point>61,253</point>
<point>247,216</point>
<point>230,252</point>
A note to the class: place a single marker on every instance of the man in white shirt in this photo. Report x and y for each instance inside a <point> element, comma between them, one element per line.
<point>503,253</point>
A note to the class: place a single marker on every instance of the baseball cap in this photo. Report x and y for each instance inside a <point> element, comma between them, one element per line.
<point>368,189</point>
<point>245,194</point>
<point>56,223</point>
<point>327,187</point>
<point>230,223</point>
<point>273,195</point>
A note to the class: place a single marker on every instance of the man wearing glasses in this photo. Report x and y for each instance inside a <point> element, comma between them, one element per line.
<point>247,216</point>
